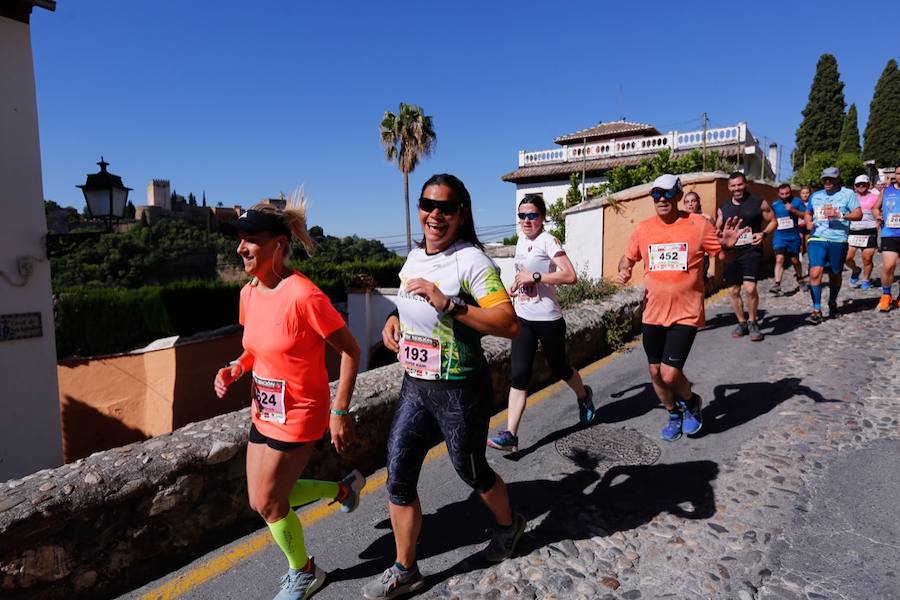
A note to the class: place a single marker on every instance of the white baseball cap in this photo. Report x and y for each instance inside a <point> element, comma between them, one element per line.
<point>666,182</point>
<point>861,179</point>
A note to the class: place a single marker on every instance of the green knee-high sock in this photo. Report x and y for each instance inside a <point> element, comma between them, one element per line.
<point>288,535</point>
<point>310,490</point>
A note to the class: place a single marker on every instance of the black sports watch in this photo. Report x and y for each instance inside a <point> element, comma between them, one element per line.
<point>456,305</point>
<point>536,277</point>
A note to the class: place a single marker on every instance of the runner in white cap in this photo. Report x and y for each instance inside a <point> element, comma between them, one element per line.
<point>863,235</point>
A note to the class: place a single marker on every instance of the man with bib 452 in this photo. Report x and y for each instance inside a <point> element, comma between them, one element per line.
<point>828,217</point>
<point>672,245</point>
<point>742,263</point>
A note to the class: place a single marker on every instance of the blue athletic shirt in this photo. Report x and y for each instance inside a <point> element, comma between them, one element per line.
<point>832,230</point>
<point>890,205</point>
<point>787,223</point>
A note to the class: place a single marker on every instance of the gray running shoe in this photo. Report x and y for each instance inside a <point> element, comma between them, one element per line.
<point>755,334</point>
<point>394,582</point>
<point>355,483</point>
<point>503,542</point>
<point>740,330</point>
<point>300,585</point>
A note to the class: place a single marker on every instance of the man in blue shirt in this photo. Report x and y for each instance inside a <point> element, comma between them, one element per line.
<point>786,240</point>
<point>887,211</point>
<point>828,217</point>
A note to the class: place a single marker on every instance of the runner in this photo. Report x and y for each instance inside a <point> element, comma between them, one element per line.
<point>786,241</point>
<point>828,216</point>
<point>451,295</point>
<point>742,264</point>
<point>541,264</point>
<point>671,245</point>
<point>887,210</point>
<point>805,193</point>
<point>287,321</point>
<point>692,205</point>
<point>863,235</point>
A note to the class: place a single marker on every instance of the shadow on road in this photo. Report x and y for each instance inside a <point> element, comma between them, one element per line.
<point>580,505</point>
<point>737,403</point>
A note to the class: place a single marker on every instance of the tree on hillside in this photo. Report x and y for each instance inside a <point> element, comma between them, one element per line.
<point>130,210</point>
<point>850,165</point>
<point>850,133</point>
<point>882,135</point>
<point>407,136</point>
<point>823,116</point>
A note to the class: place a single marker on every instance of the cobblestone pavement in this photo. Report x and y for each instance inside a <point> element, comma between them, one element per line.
<point>729,528</point>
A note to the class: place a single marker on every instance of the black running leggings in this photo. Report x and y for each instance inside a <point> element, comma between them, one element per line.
<point>460,411</point>
<point>552,336</point>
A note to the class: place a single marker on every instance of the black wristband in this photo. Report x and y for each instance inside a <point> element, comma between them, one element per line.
<point>393,313</point>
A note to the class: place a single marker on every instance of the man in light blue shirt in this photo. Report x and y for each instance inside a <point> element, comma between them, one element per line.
<point>828,216</point>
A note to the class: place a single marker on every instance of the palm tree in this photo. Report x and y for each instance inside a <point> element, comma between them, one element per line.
<point>406,137</point>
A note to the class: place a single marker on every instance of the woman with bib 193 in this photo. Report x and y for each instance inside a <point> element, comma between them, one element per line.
<point>287,321</point>
<point>450,296</point>
<point>541,264</point>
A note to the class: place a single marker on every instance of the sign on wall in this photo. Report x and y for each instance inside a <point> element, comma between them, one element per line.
<point>20,326</point>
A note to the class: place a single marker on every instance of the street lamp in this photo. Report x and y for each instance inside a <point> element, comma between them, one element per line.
<point>105,195</point>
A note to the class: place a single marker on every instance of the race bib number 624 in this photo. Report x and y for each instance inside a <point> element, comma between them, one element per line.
<point>268,396</point>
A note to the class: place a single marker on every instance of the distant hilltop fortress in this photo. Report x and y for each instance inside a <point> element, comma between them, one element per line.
<point>164,203</point>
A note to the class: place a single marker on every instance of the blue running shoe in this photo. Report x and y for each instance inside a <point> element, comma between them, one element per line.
<point>587,414</point>
<point>672,430</point>
<point>505,441</point>
<point>865,284</point>
<point>692,418</point>
<point>854,279</point>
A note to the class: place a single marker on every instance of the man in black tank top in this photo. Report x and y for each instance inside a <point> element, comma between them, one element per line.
<point>742,263</point>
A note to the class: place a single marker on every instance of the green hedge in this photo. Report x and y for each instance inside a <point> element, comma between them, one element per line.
<point>93,320</point>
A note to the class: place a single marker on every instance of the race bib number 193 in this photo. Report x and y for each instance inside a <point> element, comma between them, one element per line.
<point>420,356</point>
<point>268,395</point>
<point>668,257</point>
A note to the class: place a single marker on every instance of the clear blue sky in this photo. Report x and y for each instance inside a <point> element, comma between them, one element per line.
<point>246,99</point>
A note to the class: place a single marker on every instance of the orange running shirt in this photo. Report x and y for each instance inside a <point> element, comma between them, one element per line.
<point>285,333</point>
<point>673,267</point>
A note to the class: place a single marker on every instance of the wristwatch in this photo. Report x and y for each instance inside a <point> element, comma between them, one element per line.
<point>455,306</point>
<point>536,277</point>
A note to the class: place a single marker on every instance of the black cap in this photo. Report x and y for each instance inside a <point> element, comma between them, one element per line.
<point>256,221</point>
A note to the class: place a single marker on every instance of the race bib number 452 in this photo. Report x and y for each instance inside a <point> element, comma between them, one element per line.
<point>668,257</point>
<point>420,356</point>
<point>268,396</point>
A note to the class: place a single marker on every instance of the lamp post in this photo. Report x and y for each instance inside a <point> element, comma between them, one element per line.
<point>105,195</point>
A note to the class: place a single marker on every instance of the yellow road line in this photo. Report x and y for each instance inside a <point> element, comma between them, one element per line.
<point>214,567</point>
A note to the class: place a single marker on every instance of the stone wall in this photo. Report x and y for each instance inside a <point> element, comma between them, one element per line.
<point>116,519</point>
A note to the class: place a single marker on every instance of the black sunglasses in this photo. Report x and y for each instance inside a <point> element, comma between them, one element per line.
<point>657,194</point>
<point>446,207</point>
<point>529,216</point>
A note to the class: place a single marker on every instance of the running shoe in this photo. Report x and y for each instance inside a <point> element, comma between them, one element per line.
<point>394,582</point>
<point>301,584</point>
<point>854,279</point>
<point>740,330</point>
<point>832,310</point>
<point>755,334</point>
<point>692,419</point>
<point>672,430</point>
<point>505,441</point>
<point>355,482</point>
<point>884,305</point>
<point>587,414</point>
<point>865,284</point>
<point>815,317</point>
<point>776,290</point>
<point>503,542</point>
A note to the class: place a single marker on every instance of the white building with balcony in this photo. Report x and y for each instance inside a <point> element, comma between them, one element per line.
<point>596,150</point>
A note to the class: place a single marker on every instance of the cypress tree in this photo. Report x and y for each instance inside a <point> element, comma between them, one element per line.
<point>882,136</point>
<point>823,117</point>
<point>850,133</point>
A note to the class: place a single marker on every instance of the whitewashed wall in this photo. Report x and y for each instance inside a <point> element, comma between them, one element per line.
<point>30,433</point>
<point>366,314</point>
<point>551,190</point>
<point>584,241</point>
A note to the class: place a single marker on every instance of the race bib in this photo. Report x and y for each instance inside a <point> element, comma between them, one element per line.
<point>819,214</point>
<point>858,241</point>
<point>527,294</point>
<point>785,223</point>
<point>268,394</point>
<point>420,356</point>
<point>668,257</point>
<point>893,220</point>
<point>744,239</point>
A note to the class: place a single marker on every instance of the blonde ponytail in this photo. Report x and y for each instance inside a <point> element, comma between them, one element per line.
<point>294,218</point>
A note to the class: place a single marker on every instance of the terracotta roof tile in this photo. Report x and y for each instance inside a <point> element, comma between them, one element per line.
<point>608,130</point>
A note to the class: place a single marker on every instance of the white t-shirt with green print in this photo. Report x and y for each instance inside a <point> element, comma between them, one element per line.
<point>434,345</point>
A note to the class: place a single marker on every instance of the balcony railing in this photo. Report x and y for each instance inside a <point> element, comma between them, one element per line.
<point>650,145</point>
